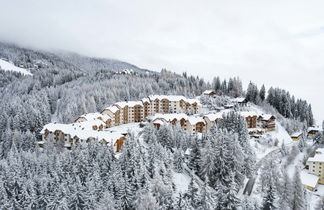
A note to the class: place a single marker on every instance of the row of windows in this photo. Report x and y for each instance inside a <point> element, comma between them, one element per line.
<point>318,171</point>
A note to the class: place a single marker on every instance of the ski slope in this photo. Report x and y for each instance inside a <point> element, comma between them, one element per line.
<point>6,66</point>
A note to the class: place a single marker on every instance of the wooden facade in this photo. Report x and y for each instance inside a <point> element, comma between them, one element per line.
<point>267,122</point>
<point>119,144</point>
<point>200,127</point>
<point>165,106</point>
<point>146,109</point>
<point>251,121</point>
<point>138,113</point>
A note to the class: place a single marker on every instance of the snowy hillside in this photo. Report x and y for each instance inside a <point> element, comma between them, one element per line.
<point>239,162</point>
<point>6,66</point>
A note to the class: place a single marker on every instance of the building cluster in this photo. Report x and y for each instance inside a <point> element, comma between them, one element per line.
<point>315,166</point>
<point>158,110</point>
<point>311,131</point>
<point>137,111</point>
<point>79,132</point>
<point>92,126</point>
<point>257,124</point>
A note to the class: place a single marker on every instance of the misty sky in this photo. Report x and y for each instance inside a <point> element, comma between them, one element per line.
<point>278,43</point>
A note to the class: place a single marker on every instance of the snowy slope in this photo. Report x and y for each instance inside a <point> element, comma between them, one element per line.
<point>6,66</point>
<point>181,181</point>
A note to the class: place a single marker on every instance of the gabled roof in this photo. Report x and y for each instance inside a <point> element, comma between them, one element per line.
<point>146,100</point>
<point>239,100</point>
<point>320,150</point>
<point>169,97</point>
<point>207,92</point>
<point>248,114</point>
<point>88,124</point>
<point>113,109</point>
<point>229,105</point>
<point>267,117</point>
<point>158,121</point>
<point>82,131</point>
<point>313,129</point>
<point>128,103</point>
<point>193,120</point>
<point>192,101</point>
<point>296,134</point>
<point>308,179</point>
<point>168,117</point>
<point>213,117</point>
<point>94,116</point>
<point>318,157</point>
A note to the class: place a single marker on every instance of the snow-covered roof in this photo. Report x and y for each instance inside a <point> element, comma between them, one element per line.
<point>238,100</point>
<point>318,157</point>
<point>192,101</point>
<point>308,179</point>
<point>88,124</point>
<point>256,130</point>
<point>113,109</point>
<point>169,97</point>
<point>146,100</point>
<point>266,116</point>
<point>94,116</point>
<point>313,129</point>
<point>168,117</point>
<point>248,114</point>
<point>296,134</point>
<point>75,129</point>
<point>213,117</point>
<point>229,105</point>
<point>193,120</point>
<point>207,92</point>
<point>158,121</point>
<point>128,103</point>
<point>320,150</point>
<point>105,117</point>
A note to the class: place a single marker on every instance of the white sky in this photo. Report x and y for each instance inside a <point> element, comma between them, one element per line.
<point>278,43</point>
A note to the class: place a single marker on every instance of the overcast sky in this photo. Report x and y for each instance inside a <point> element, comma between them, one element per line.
<point>278,43</point>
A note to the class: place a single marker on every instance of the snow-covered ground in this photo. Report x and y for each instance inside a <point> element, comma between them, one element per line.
<point>124,128</point>
<point>262,149</point>
<point>6,66</point>
<point>181,181</point>
<point>314,197</point>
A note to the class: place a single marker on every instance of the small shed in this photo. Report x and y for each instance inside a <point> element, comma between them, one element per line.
<point>310,181</point>
<point>296,136</point>
<point>209,93</point>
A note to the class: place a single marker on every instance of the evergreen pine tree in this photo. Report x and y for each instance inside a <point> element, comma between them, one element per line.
<point>262,93</point>
<point>320,204</point>
<point>298,198</point>
<point>269,201</point>
<point>285,191</point>
<point>192,194</point>
<point>178,161</point>
<point>195,156</point>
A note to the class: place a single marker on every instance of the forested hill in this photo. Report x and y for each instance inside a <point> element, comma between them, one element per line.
<point>37,60</point>
<point>93,65</point>
<point>65,85</point>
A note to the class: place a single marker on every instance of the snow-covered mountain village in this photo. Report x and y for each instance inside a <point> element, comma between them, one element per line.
<point>198,118</point>
<point>262,153</point>
<point>161,105</point>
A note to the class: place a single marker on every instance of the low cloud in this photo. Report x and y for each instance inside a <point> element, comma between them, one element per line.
<point>270,42</point>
